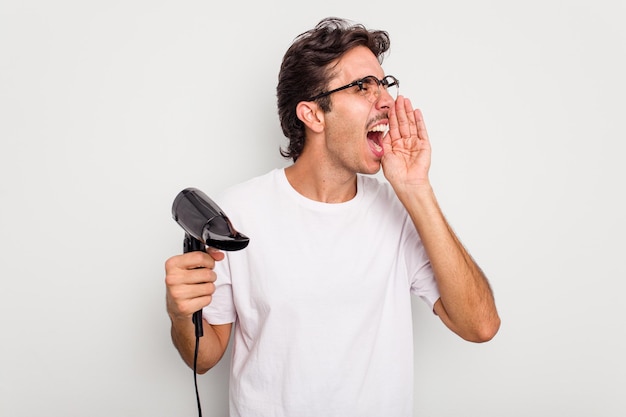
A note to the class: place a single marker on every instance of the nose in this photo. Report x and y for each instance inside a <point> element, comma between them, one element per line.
<point>384,100</point>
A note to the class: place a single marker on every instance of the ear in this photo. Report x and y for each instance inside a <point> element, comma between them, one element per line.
<point>311,115</point>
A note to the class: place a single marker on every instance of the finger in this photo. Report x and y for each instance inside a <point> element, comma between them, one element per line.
<point>190,292</point>
<point>182,277</point>
<point>196,259</point>
<point>199,275</point>
<point>216,254</point>
<point>403,120</point>
<point>412,122</point>
<point>183,292</point>
<point>393,123</point>
<point>422,133</point>
<point>189,307</point>
<point>186,306</point>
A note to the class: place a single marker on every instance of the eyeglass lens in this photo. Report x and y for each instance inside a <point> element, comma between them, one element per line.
<point>371,87</point>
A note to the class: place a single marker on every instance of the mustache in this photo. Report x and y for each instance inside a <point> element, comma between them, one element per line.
<point>377,119</point>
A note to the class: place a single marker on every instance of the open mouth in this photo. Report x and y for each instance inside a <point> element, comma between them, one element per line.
<point>375,138</point>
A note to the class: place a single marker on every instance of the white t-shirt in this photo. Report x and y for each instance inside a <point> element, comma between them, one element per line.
<point>321,300</point>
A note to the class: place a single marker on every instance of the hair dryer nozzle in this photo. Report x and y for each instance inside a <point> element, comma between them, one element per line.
<point>201,218</point>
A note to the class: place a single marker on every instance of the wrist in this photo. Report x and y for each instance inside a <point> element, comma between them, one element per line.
<point>420,192</point>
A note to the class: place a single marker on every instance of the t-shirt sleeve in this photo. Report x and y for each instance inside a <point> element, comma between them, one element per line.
<point>422,277</point>
<point>222,308</point>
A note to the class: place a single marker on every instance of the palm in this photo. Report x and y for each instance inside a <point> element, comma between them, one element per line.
<point>407,149</point>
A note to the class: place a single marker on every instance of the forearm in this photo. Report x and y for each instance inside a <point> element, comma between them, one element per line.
<point>465,293</point>
<point>211,347</point>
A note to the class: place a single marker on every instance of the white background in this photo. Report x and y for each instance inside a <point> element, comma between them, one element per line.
<point>109,109</point>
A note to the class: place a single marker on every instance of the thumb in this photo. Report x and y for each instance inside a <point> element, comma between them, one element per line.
<point>216,254</point>
<point>386,142</point>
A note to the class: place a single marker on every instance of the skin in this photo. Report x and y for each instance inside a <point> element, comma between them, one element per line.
<point>190,285</point>
<point>336,150</point>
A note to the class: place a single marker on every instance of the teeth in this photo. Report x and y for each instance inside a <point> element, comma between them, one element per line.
<point>380,128</point>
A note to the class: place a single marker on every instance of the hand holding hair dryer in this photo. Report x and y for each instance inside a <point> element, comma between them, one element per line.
<point>205,224</point>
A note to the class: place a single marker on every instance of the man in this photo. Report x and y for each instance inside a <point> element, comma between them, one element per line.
<point>320,299</point>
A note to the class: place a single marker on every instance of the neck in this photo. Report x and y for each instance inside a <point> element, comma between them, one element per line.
<point>317,183</point>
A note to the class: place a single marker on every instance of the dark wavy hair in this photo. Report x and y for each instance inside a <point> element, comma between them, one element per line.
<point>306,70</point>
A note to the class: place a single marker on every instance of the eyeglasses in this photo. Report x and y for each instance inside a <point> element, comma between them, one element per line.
<point>369,87</point>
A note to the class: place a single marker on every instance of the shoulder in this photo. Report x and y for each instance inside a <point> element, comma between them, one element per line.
<point>245,195</point>
<point>255,185</point>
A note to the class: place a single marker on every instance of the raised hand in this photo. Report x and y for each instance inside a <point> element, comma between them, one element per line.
<point>407,157</point>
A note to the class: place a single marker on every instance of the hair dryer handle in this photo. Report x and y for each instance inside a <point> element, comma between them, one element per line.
<point>192,244</point>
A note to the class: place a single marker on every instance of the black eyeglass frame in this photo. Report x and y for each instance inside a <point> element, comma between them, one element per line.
<point>359,83</point>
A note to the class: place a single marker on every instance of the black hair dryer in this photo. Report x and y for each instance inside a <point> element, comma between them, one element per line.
<point>205,224</point>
